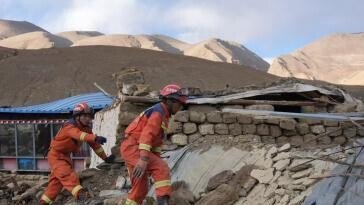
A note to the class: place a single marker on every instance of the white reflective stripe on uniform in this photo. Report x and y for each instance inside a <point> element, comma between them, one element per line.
<point>99,150</point>
<point>146,147</point>
<point>130,202</point>
<point>76,189</point>
<point>82,136</point>
<point>163,183</point>
<point>46,199</point>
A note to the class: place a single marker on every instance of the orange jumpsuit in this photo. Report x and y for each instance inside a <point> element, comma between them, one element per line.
<point>146,133</point>
<point>69,139</point>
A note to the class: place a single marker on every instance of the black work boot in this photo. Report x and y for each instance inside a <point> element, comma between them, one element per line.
<point>163,200</point>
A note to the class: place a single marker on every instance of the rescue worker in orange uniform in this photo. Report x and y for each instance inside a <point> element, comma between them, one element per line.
<point>142,145</point>
<point>69,140</point>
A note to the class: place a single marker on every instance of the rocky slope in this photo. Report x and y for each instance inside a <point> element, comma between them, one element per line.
<point>336,58</point>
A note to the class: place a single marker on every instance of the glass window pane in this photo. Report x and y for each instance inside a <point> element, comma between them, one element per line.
<point>42,139</point>
<point>25,140</point>
<point>7,140</point>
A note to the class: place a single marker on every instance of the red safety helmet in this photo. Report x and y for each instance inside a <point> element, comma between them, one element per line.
<point>176,92</point>
<point>82,108</point>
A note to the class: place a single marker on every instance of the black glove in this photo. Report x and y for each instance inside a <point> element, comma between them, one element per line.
<point>100,140</point>
<point>110,159</point>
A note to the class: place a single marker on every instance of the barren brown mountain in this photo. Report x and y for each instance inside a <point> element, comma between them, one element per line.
<point>37,76</point>
<point>337,59</point>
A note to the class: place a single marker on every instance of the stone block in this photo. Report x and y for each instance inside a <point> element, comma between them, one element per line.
<point>263,129</point>
<point>260,107</point>
<point>324,140</point>
<point>206,129</point>
<point>339,140</point>
<point>310,140</point>
<point>175,127</point>
<point>317,129</point>
<point>275,130</point>
<point>334,131</point>
<point>310,121</point>
<point>272,120</point>
<point>249,129</point>
<point>197,117</point>
<point>282,140</point>
<point>229,117</point>
<point>288,124</point>
<point>282,164</point>
<point>182,116</point>
<point>296,140</point>
<point>249,138</point>
<point>179,139</point>
<point>235,129</point>
<point>214,117</point>
<point>263,176</point>
<point>330,123</point>
<point>290,133</point>
<point>202,108</point>
<point>258,120</point>
<point>350,132</point>
<point>189,128</point>
<point>221,129</point>
<point>244,119</point>
<point>302,128</point>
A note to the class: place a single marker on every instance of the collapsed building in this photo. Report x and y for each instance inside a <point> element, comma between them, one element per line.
<point>255,145</point>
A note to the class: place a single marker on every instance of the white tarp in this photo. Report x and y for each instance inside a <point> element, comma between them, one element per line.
<point>284,88</point>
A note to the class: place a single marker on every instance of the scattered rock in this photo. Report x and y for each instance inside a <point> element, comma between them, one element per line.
<point>220,178</point>
<point>282,164</point>
<point>301,174</point>
<point>263,176</point>
<point>224,194</point>
<point>284,148</point>
<point>281,156</point>
<point>297,165</point>
<point>120,182</point>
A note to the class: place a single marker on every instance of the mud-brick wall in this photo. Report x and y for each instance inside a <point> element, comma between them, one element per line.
<point>213,126</point>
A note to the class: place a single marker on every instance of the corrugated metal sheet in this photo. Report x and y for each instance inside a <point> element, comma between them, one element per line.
<point>96,100</point>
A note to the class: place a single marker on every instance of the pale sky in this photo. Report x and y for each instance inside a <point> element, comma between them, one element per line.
<point>267,27</point>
